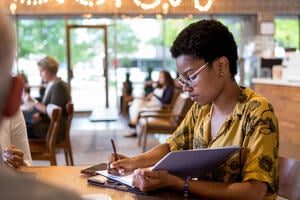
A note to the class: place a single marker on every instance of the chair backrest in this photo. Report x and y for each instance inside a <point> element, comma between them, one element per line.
<point>176,93</point>
<point>289,181</point>
<point>66,143</point>
<point>181,106</point>
<point>70,111</point>
<point>53,129</point>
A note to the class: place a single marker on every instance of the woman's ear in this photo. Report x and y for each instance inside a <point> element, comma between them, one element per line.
<point>223,66</point>
<point>13,100</point>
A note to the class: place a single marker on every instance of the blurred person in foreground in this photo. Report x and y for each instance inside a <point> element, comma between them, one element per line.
<point>15,185</point>
<point>223,114</point>
<point>14,141</point>
<point>13,135</point>
<point>57,94</point>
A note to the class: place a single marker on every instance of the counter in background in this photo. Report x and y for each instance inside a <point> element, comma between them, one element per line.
<point>274,82</point>
<point>285,98</point>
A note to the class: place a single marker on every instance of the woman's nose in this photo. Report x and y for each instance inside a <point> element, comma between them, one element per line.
<point>187,88</point>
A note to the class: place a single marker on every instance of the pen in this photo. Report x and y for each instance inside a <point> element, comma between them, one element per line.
<point>114,148</point>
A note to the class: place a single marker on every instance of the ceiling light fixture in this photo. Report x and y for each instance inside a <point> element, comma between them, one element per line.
<point>175,3</point>
<point>118,4</point>
<point>90,3</point>
<point>36,2</point>
<point>147,6</point>
<point>201,8</point>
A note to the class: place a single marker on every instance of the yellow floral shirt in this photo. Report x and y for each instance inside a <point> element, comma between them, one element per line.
<point>252,125</point>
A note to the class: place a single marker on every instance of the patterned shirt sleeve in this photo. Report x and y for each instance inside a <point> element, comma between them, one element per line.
<point>261,144</point>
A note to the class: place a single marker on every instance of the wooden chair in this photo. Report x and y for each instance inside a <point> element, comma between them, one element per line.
<point>44,149</point>
<point>164,107</point>
<point>289,178</point>
<point>66,144</point>
<point>162,122</point>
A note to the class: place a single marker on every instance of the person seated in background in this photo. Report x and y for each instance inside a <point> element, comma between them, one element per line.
<point>148,82</point>
<point>126,94</point>
<point>223,114</point>
<point>127,84</point>
<point>27,101</point>
<point>14,141</point>
<point>42,89</point>
<point>14,185</point>
<point>162,94</point>
<point>57,94</point>
<point>25,79</point>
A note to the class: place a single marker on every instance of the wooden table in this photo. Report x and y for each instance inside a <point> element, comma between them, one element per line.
<point>70,177</point>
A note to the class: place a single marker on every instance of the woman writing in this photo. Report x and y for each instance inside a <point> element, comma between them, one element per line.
<point>224,114</point>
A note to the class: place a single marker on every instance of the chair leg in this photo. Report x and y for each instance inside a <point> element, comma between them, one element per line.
<point>144,135</point>
<point>70,155</point>
<point>144,142</point>
<point>140,139</point>
<point>140,132</point>
<point>66,157</point>
<point>140,129</point>
<point>53,161</point>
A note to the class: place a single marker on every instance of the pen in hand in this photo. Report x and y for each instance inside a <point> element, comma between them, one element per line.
<point>114,149</point>
<point>117,172</point>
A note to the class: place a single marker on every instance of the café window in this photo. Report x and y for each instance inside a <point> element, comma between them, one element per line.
<point>287,32</point>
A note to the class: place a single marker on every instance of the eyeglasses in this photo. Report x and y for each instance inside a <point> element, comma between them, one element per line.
<point>189,81</point>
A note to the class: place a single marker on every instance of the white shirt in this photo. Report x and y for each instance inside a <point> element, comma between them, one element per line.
<point>48,87</point>
<point>13,131</point>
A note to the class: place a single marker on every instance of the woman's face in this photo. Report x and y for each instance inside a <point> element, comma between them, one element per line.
<point>205,85</point>
<point>161,79</point>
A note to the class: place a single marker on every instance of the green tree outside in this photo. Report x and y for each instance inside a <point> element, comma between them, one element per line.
<point>287,32</point>
<point>48,37</point>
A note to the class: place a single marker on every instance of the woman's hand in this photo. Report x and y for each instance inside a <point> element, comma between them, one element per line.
<point>149,96</point>
<point>122,166</point>
<point>41,107</point>
<point>147,180</point>
<point>14,156</point>
<point>36,117</point>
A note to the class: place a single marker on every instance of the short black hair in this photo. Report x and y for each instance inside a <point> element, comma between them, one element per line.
<point>208,40</point>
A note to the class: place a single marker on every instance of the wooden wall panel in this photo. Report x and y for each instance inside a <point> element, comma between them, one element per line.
<point>286,102</point>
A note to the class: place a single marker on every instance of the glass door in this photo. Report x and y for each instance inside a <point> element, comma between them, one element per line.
<point>87,65</point>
